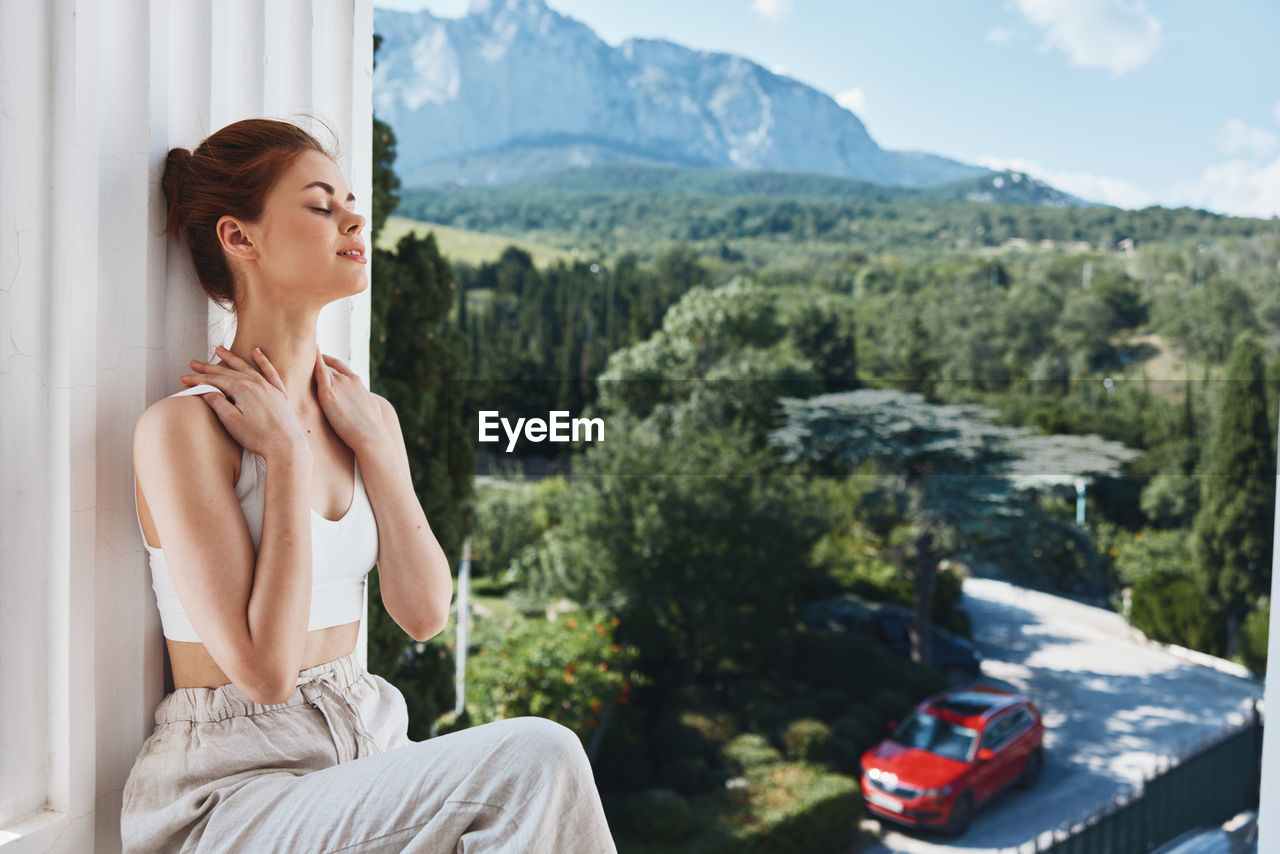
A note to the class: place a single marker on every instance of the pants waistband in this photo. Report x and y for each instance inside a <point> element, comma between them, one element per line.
<point>228,701</point>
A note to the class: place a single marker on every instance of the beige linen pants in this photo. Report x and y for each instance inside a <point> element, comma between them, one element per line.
<point>333,770</point>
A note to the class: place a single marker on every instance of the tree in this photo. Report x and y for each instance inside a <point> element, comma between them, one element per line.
<point>415,359</point>
<point>916,365</point>
<point>961,480</point>
<point>674,522</point>
<point>1233,530</point>
<point>823,330</point>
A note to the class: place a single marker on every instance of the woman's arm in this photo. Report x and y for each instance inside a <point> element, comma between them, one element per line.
<point>250,613</point>
<point>413,571</point>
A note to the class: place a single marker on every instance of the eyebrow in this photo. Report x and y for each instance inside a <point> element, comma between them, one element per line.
<point>351,197</point>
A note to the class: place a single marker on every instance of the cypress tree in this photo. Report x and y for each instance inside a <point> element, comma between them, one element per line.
<point>1233,530</point>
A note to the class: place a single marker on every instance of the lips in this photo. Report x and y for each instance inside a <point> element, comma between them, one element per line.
<point>354,252</point>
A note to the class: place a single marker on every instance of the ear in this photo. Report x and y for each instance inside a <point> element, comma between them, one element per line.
<point>235,240</point>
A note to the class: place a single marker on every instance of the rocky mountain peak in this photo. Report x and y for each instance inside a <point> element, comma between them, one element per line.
<point>515,88</point>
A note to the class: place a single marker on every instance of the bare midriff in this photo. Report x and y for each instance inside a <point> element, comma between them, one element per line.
<point>194,667</point>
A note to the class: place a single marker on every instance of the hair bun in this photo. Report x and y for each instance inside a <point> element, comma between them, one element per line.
<point>176,167</point>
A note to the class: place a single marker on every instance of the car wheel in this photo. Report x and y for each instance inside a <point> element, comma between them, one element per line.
<point>1031,773</point>
<point>961,815</point>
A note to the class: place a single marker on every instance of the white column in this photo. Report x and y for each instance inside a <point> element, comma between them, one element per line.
<point>1269,799</point>
<point>98,315</point>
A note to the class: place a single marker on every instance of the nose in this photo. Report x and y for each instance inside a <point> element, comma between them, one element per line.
<point>356,224</point>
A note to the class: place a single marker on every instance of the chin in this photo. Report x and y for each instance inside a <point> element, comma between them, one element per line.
<point>357,286</point>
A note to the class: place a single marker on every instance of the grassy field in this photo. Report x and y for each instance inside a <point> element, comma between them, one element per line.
<point>472,247</point>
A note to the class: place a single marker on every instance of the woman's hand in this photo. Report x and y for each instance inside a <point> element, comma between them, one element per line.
<point>351,409</point>
<point>253,406</point>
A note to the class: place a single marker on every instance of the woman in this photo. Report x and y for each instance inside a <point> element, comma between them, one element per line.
<point>265,492</point>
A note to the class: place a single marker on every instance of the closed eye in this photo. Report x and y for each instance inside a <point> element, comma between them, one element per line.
<point>322,210</point>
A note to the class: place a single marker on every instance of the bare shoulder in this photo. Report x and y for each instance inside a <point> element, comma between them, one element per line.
<point>183,428</point>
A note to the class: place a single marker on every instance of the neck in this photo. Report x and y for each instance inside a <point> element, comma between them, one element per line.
<point>287,335</point>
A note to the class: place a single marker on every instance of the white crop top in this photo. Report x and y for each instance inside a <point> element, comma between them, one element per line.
<point>342,552</point>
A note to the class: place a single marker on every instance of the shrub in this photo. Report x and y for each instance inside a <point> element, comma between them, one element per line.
<point>749,750</point>
<point>715,727</point>
<point>844,756</point>
<point>674,738</point>
<point>1169,606</point>
<point>795,807</point>
<point>807,739</point>
<point>855,732</point>
<point>1253,637</point>
<point>565,669</point>
<point>785,807</point>
<point>1168,594</point>
<point>509,517</point>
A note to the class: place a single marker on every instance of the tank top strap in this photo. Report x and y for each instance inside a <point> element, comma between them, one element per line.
<point>202,388</point>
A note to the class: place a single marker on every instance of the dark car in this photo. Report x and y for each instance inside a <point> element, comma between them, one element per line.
<point>957,658</point>
<point>952,754</point>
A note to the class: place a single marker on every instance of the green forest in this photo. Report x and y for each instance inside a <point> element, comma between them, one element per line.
<point>746,340</point>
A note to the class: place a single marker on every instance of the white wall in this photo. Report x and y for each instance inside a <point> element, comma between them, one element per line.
<point>1269,798</point>
<point>98,316</point>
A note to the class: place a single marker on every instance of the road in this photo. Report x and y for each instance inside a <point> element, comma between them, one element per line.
<point>1114,709</point>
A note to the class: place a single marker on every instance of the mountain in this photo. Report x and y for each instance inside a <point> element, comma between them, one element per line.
<point>514,89</point>
<point>1007,187</point>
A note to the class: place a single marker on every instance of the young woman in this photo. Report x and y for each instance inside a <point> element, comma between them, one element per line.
<point>266,491</point>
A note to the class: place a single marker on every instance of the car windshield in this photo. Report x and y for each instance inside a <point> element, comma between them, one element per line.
<point>925,732</point>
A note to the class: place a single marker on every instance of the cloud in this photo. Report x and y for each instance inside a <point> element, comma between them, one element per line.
<point>999,35</point>
<point>852,100</point>
<point>773,10</point>
<point>1085,185</point>
<point>1237,187</point>
<point>1236,137</point>
<point>1119,35</point>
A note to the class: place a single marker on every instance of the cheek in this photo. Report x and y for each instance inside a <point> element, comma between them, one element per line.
<point>309,240</point>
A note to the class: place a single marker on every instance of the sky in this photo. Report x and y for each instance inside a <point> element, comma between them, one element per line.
<point>1125,102</point>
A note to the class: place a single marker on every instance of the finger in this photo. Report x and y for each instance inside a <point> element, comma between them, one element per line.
<point>338,365</point>
<point>221,407</point>
<point>210,368</point>
<point>268,369</point>
<point>322,373</point>
<point>229,358</point>
<point>218,381</point>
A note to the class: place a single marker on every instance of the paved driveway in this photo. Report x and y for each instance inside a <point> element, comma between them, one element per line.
<point>1114,710</point>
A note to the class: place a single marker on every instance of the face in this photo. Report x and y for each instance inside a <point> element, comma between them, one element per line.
<point>293,252</point>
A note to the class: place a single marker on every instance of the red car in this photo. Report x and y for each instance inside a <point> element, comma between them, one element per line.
<point>952,753</point>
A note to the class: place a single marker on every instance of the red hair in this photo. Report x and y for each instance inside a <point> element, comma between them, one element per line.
<point>231,173</point>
